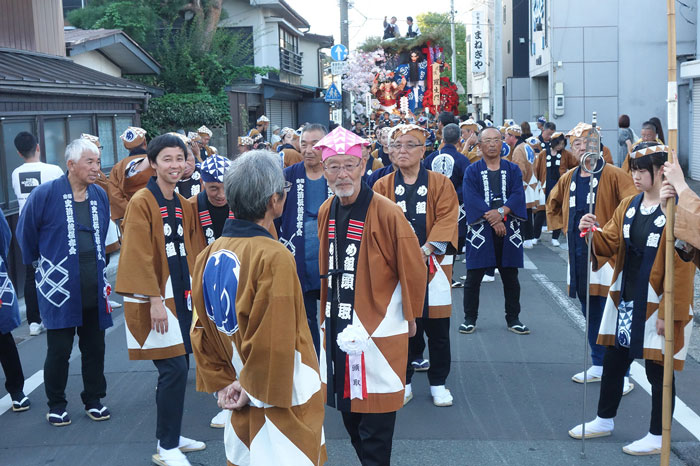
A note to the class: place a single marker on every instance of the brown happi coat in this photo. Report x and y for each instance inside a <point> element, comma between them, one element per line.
<point>614,186</point>
<point>271,354</point>
<point>143,271</point>
<point>390,284</point>
<point>121,189</point>
<point>608,244</point>
<point>442,211</point>
<point>687,225</point>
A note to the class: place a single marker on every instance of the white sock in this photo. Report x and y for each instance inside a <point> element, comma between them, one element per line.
<point>598,424</point>
<point>407,392</point>
<point>646,443</point>
<point>595,371</point>
<point>437,390</point>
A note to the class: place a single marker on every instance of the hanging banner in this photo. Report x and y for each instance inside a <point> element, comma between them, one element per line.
<point>478,42</point>
<point>436,86</point>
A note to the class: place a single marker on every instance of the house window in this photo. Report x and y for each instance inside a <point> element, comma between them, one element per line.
<point>55,141</point>
<point>78,126</point>
<point>105,130</point>
<point>289,41</point>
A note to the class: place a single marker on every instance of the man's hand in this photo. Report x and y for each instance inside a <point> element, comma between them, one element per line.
<point>587,222</point>
<point>500,229</point>
<point>159,315</point>
<point>233,397</point>
<point>493,217</point>
<point>660,327</point>
<point>674,175</point>
<point>412,328</point>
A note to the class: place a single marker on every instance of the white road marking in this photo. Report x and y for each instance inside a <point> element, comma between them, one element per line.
<point>682,413</point>
<point>528,264</point>
<point>37,379</point>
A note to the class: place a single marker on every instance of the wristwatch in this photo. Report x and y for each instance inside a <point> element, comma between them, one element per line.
<point>426,250</point>
<point>501,211</point>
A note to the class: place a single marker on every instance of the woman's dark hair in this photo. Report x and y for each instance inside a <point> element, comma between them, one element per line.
<point>558,140</point>
<point>648,162</point>
<point>659,129</point>
<point>159,143</point>
<point>527,132</point>
<point>623,121</point>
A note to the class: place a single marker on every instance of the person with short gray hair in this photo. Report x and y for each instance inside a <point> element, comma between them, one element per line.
<point>297,228</point>
<point>62,231</point>
<point>262,322</point>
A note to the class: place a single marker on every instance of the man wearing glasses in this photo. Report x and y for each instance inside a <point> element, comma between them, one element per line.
<point>430,204</point>
<point>298,225</point>
<point>372,291</point>
<point>494,200</point>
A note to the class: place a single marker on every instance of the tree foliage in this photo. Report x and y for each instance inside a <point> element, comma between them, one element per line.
<point>438,25</point>
<point>175,111</point>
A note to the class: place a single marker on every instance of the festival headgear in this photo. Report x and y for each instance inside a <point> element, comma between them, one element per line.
<point>533,141</point>
<point>488,123</point>
<point>286,130</point>
<point>133,137</point>
<point>213,168</point>
<point>508,122</point>
<point>418,132</point>
<point>263,119</point>
<point>469,124</point>
<point>245,141</point>
<point>515,130</point>
<point>255,135</point>
<point>340,141</point>
<point>657,149</point>
<point>193,137</point>
<point>182,137</point>
<point>542,120</point>
<point>581,130</point>
<point>422,120</point>
<point>93,139</point>
<point>204,130</point>
<point>502,129</point>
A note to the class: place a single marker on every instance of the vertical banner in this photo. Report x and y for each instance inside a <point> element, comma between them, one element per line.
<point>478,42</point>
<point>436,87</point>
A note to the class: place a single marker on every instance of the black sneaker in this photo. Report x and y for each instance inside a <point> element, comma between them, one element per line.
<point>20,402</point>
<point>517,327</point>
<point>467,327</point>
<point>58,417</point>
<point>97,412</point>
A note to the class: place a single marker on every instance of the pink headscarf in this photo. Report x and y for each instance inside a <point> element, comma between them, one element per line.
<point>340,141</point>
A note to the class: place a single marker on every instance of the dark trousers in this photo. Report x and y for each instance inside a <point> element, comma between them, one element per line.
<point>540,221</point>
<point>595,313</point>
<point>59,343</point>
<point>417,343</point>
<point>527,226</point>
<point>615,365</point>
<point>11,365</point>
<point>438,333</point>
<point>371,434</point>
<point>30,300</point>
<point>170,399</point>
<point>311,299</point>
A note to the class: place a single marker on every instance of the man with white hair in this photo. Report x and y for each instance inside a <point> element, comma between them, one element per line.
<point>62,232</point>
<point>364,241</point>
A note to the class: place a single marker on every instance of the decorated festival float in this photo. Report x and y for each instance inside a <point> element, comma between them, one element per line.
<point>399,79</point>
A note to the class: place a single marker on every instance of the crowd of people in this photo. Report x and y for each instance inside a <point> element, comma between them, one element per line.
<point>315,268</point>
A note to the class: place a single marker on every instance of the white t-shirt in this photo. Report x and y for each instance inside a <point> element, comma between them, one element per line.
<point>28,176</point>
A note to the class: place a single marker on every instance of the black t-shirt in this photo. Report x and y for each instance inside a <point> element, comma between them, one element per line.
<point>219,215</point>
<point>639,232</point>
<point>496,188</point>
<point>85,237</point>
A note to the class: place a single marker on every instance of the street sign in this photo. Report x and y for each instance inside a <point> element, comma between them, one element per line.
<point>333,94</point>
<point>338,67</point>
<point>339,52</point>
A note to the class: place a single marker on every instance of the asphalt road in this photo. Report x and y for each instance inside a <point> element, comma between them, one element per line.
<point>514,398</point>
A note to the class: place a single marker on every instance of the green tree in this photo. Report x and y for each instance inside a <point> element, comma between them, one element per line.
<point>438,25</point>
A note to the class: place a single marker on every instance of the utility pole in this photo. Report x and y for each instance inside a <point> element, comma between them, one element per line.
<point>497,98</point>
<point>345,40</point>
<point>452,42</point>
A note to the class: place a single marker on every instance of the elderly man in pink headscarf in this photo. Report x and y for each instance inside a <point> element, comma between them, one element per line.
<point>372,290</point>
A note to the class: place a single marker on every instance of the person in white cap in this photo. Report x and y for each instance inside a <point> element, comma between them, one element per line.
<point>129,174</point>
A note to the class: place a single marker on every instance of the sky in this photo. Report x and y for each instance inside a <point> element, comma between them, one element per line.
<point>366,16</point>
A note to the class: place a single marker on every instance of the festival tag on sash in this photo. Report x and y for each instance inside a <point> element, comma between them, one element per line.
<point>432,264</point>
<point>188,299</point>
<point>108,292</point>
<point>353,341</point>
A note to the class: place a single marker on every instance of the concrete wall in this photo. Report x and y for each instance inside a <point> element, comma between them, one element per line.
<point>518,105</point>
<point>265,34</point>
<point>310,63</point>
<point>98,62</point>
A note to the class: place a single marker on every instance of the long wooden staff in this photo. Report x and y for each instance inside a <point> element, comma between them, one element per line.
<point>670,240</point>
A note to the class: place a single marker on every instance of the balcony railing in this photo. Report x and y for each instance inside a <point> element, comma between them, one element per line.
<point>290,62</point>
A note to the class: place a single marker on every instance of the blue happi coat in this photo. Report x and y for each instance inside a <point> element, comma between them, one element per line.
<point>47,235</point>
<point>9,309</point>
<point>477,201</point>
<point>290,225</point>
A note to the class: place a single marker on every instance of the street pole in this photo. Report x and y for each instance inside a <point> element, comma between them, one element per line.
<point>345,40</point>
<point>667,400</point>
<point>497,99</point>
<point>452,41</point>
